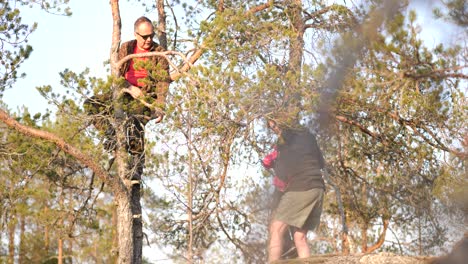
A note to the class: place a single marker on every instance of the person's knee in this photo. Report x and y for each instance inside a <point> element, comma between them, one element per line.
<point>300,240</point>
<point>300,236</point>
<point>278,227</point>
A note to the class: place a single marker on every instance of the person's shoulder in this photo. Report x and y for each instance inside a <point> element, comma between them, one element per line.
<point>128,43</point>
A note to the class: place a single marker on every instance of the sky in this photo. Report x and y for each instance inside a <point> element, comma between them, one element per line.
<point>84,39</point>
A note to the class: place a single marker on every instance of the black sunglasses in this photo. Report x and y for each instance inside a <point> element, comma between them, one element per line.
<point>145,37</point>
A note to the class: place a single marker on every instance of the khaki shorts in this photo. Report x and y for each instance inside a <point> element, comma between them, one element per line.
<point>300,209</point>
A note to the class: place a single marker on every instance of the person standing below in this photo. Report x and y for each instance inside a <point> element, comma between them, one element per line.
<point>147,79</point>
<point>288,250</point>
<point>299,165</point>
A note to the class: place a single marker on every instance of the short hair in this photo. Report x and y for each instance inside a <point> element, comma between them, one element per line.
<point>140,21</point>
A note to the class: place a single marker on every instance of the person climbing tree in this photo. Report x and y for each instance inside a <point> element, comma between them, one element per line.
<point>147,79</point>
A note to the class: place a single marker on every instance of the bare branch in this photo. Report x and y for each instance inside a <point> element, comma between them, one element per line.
<point>440,73</point>
<point>381,239</point>
<point>358,125</point>
<point>164,54</point>
<point>259,8</point>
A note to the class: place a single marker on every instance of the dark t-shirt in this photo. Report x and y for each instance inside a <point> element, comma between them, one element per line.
<point>299,161</point>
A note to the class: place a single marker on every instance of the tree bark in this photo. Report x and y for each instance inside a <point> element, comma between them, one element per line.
<point>365,219</point>
<point>125,229</point>
<point>11,240</point>
<point>345,243</point>
<point>296,49</point>
<point>162,36</point>
<point>190,193</point>
<point>136,166</point>
<point>60,240</point>
<point>130,228</point>
<point>22,245</point>
<point>115,234</point>
<point>364,239</point>
<point>60,251</point>
<point>46,236</point>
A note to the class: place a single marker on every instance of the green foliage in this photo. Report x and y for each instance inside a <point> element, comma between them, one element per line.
<point>52,193</point>
<point>395,108</point>
<point>13,50</point>
<point>457,11</point>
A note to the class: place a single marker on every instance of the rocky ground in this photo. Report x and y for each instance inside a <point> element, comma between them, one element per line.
<point>378,258</point>
<point>458,255</point>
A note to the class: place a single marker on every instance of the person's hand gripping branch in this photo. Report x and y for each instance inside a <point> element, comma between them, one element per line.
<point>138,94</point>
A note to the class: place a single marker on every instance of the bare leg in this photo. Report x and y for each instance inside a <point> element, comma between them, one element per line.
<point>277,229</point>
<point>300,240</point>
<point>289,250</point>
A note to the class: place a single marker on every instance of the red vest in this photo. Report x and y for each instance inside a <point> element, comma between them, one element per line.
<point>133,75</point>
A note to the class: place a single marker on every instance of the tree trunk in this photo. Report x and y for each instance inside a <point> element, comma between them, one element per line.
<point>46,239</point>
<point>419,235</point>
<point>125,229</point>
<point>297,42</point>
<point>60,251</point>
<point>162,36</point>
<point>22,245</point>
<point>365,220</point>
<point>130,228</point>
<point>293,76</point>
<point>190,194</point>
<point>70,251</point>
<point>364,239</point>
<point>129,216</point>
<point>136,168</point>
<point>69,248</point>
<point>11,240</point>
<point>345,243</point>
<point>60,240</point>
<point>381,239</point>
<point>115,235</point>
